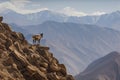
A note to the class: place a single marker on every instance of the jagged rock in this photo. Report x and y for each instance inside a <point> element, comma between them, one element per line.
<point>8,43</point>
<point>2,47</point>
<point>18,46</point>
<point>4,28</point>
<point>3,36</point>
<point>1,19</point>
<point>53,76</point>
<point>62,69</point>
<point>45,65</point>
<point>69,77</point>
<point>36,72</point>
<point>20,60</point>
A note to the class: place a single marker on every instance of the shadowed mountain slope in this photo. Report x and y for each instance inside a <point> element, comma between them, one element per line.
<point>106,68</point>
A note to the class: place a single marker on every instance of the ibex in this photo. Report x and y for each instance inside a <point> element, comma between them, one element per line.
<point>37,38</point>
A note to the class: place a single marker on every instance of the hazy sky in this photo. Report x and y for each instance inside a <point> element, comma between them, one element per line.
<point>77,7</point>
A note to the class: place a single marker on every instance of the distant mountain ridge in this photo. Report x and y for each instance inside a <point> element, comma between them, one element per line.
<point>105,68</point>
<point>111,20</point>
<point>33,18</point>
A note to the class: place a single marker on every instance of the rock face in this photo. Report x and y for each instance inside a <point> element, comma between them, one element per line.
<point>20,60</point>
<point>106,68</point>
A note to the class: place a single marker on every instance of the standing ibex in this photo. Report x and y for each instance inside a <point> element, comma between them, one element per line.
<point>37,38</point>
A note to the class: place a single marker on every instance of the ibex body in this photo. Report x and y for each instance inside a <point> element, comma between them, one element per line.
<point>37,38</point>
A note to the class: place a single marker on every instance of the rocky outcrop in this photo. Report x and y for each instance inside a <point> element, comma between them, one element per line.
<point>20,60</point>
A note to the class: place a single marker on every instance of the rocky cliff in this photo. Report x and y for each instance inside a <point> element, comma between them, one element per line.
<point>20,60</point>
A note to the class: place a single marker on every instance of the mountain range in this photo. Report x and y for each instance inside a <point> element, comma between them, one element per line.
<point>105,68</point>
<point>111,20</point>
